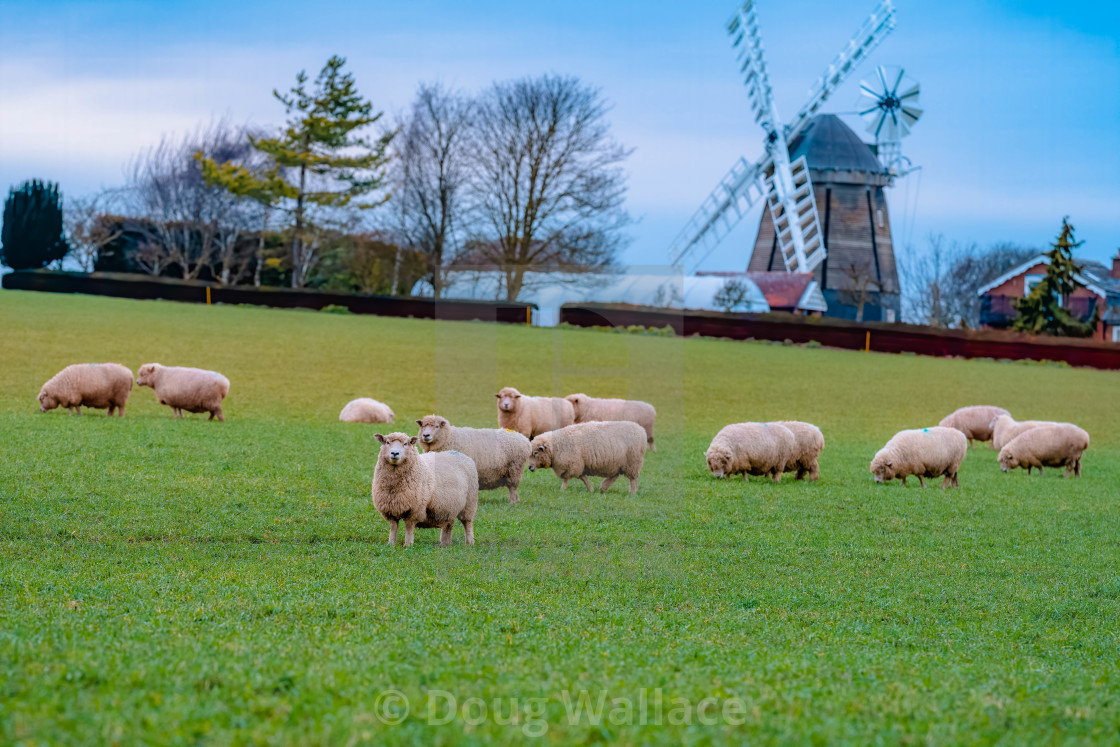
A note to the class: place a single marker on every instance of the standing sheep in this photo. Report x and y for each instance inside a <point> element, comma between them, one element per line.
<point>499,455</point>
<point>366,410</point>
<point>531,416</point>
<point>810,444</point>
<point>751,449</point>
<point>190,389</point>
<point>1056,445</point>
<point>91,384</point>
<point>585,450</point>
<point>589,409</point>
<point>923,452</point>
<point>423,490</point>
<point>974,422</point>
<point>1006,428</point>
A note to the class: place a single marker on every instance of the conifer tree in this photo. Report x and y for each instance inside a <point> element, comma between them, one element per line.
<point>1040,312</point>
<point>31,236</point>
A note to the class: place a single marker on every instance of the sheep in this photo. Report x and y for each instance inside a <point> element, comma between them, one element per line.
<point>91,384</point>
<point>366,410</point>
<point>182,388</point>
<point>599,449</point>
<point>589,409</point>
<point>532,416</point>
<point>810,443</point>
<point>922,452</point>
<point>974,422</point>
<point>423,490</point>
<point>499,455</point>
<point>1053,445</point>
<point>751,449</point>
<point>1006,428</point>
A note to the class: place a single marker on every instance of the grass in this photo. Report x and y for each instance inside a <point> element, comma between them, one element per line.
<point>172,581</point>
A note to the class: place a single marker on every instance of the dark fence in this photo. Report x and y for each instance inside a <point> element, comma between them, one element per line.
<point>133,286</point>
<point>838,333</point>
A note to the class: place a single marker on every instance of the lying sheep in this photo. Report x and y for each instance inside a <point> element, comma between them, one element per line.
<point>1006,428</point>
<point>190,389</point>
<point>499,455</point>
<point>974,422</point>
<point>531,416</point>
<point>366,410</point>
<point>922,452</point>
<point>1055,445</point>
<point>423,490</point>
<point>810,443</point>
<point>590,409</point>
<point>751,449</point>
<point>91,384</point>
<point>599,449</point>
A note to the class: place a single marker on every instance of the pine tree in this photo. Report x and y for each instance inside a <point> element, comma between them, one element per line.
<point>318,161</point>
<point>1040,312</point>
<point>32,234</point>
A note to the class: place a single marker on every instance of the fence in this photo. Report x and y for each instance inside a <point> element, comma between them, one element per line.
<point>838,333</point>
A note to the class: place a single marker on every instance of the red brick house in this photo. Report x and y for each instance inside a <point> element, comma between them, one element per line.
<point>1099,287</point>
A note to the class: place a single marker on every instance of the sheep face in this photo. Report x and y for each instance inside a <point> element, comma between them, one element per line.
<point>430,428</point>
<point>1008,461</point>
<point>396,448</point>
<point>719,463</point>
<point>47,401</point>
<point>541,456</point>
<point>146,375</point>
<point>883,469</point>
<point>507,399</point>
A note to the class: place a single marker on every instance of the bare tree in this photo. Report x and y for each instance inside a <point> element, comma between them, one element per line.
<point>732,295</point>
<point>86,231</point>
<point>549,185</point>
<point>861,284</point>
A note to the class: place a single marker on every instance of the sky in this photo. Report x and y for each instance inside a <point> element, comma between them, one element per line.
<point>1021,99</point>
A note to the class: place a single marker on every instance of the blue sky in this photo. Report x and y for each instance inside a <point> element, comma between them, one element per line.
<point>1022,100</point>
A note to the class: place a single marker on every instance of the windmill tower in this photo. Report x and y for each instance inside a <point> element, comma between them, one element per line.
<point>809,153</point>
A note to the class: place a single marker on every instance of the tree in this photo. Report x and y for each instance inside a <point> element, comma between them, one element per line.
<point>32,233</point>
<point>732,295</point>
<point>88,229</point>
<point>319,161</point>
<point>430,174</point>
<point>549,185</point>
<point>1040,312</point>
<point>860,286</point>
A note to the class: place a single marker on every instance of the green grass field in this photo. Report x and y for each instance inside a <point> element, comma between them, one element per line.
<point>191,582</point>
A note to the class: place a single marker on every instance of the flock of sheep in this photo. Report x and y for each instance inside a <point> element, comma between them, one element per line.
<point>578,437</point>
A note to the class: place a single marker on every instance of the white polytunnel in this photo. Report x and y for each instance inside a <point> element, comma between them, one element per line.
<point>550,291</point>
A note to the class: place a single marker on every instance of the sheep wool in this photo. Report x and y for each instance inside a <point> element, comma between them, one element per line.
<point>99,385</point>
<point>425,491</point>
<point>1054,445</point>
<point>366,410</point>
<point>182,388</point>
<point>1006,428</point>
<point>589,409</point>
<point>810,444</point>
<point>499,455</point>
<point>974,422</point>
<point>922,452</point>
<point>600,449</point>
<point>531,416</point>
<point>751,449</point>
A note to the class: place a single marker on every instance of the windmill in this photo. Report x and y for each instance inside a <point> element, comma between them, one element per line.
<point>888,103</point>
<point>784,184</point>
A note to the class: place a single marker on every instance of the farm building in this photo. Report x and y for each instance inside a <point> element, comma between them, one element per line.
<point>1100,287</point>
<point>795,292</point>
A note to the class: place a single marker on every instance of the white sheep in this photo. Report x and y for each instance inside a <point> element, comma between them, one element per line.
<point>1006,428</point>
<point>96,385</point>
<point>599,449</point>
<point>499,455</point>
<point>810,443</point>
<point>423,490</point>
<point>974,422</point>
<point>1054,445</point>
<point>922,452</point>
<point>183,388</point>
<point>366,410</point>
<point>531,416</point>
<point>751,449</point>
<point>590,409</point>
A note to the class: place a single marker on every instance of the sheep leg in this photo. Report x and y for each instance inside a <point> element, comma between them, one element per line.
<point>776,475</point>
<point>633,484</point>
<point>814,472</point>
<point>218,412</point>
<point>921,481</point>
<point>563,482</point>
<point>606,484</point>
<point>393,532</point>
<point>110,413</point>
<point>468,527</point>
<point>120,411</point>
<point>587,483</point>
<point>408,529</point>
<point>513,497</point>
<point>904,481</point>
<point>178,413</point>
<point>651,446</point>
<point>1077,468</point>
<point>1040,469</point>
<point>445,534</point>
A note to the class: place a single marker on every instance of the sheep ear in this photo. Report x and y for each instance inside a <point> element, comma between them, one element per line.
<point>419,422</point>
<point>412,441</point>
<point>379,437</point>
<point>498,395</point>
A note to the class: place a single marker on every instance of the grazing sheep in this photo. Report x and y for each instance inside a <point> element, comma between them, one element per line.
<point>810,443</point>
<point>1055,445</point>
<point>974,422</point>
<point>590,409</point>
<point>91,384</point>
<point>423,490</point>
<point>599,449</point>
<point>1006,428</point>
<point>190,389</point>
<point>499,455</point>
<point>922,452</point>
<point>751,449</point>
<point>366,410</point>
<point>531,416</point>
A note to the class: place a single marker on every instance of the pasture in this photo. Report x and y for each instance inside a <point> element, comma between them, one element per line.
<point>184,581</point>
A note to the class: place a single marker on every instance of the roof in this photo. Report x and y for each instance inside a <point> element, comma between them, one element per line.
<point>1094,276</point>
<point>830,145</point>
<point>783,290</point>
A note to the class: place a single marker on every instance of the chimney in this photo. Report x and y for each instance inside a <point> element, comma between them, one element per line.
<point>1116,267</point>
